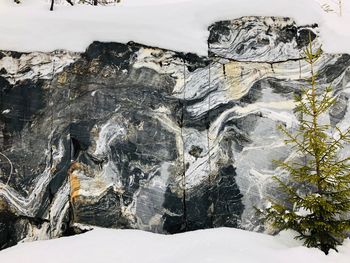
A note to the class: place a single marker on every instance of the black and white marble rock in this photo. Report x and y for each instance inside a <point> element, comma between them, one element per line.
<point>130,136</point>
<point>269,39</point>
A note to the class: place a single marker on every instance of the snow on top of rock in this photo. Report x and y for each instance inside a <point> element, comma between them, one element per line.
<point>180,25</point>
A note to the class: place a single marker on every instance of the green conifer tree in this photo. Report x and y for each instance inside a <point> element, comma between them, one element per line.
<point>317,185</point>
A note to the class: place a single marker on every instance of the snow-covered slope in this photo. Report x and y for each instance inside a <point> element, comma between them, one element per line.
<point>131,246</point>
<point>176,25</point>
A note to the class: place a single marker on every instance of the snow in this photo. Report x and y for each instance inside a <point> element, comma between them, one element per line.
<point>216,245</point>
<point>179,25</point>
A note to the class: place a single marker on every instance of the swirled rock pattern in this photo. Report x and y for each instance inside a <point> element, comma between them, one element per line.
<point>130,136</point>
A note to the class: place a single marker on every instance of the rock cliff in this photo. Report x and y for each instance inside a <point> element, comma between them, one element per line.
<point>131,136</point>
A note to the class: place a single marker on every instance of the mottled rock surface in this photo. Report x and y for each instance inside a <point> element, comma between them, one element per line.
<point>129,136</point>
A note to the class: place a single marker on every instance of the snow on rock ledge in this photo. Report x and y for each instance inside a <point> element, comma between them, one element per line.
<point>179,25</point>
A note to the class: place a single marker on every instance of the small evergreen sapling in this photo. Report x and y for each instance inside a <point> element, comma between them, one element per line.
<point>317,187</point>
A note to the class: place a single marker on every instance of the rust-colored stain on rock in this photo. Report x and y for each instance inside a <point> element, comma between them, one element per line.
<point>74,180</point>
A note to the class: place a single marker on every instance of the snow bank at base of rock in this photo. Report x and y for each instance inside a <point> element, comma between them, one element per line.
<point>179,25</point>
<point>223,245</point>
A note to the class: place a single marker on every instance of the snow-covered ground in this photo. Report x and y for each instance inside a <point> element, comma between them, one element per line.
<point>179,25</point>
<point>222,245</point>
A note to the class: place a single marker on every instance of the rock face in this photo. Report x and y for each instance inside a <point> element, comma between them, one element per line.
<point>129,136</point>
